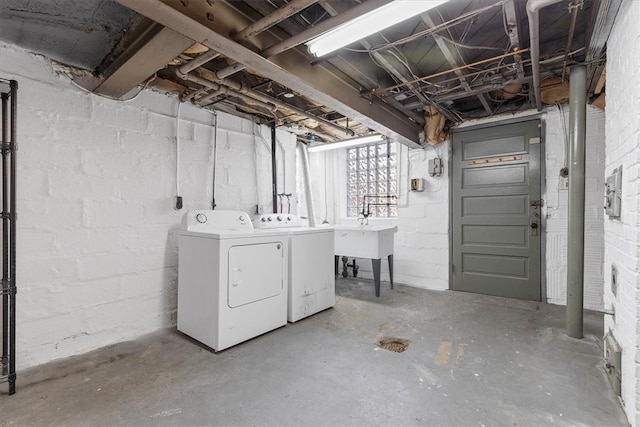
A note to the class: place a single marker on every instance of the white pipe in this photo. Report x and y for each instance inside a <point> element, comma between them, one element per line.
<point>533,7</point>
<point>306,177</point>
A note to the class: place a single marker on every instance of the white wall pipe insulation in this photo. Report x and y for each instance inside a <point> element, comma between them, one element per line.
<point>304,156</point>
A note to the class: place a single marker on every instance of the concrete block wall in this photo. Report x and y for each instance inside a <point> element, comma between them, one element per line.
<point>556,201</point>
<point>421,257</point>
<point>96,231</point>
<point>622,235</point>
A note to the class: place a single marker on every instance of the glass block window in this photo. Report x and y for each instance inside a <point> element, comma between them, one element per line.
<point>371,174</point>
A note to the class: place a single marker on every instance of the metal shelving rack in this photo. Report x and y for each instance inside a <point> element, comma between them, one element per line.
<point>8,92</point>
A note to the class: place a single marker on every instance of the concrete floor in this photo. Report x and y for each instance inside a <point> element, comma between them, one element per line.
<point>472,360</point>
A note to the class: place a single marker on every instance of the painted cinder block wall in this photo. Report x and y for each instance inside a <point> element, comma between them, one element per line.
<point>622,235</point>
<point>96,230</point>
<point>421,255</point>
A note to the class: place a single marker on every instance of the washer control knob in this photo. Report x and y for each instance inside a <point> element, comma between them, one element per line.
<point>279,218</point>
<point>263,219</point>
<point>241,218</point>
<point>201,218</point>
<point>269,219</point>
<point>288,218</point>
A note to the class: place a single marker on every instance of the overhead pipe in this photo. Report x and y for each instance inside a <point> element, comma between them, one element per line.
<point>533,7</point>
<point>225,90</point>
<point>310,33</point>
<point>572,28</point>
<point>306,178</point>
<point>238,87</point>
<point>279,15</point>
<point>575,246</point>
<point>209,97</point>
<point>198,61</point>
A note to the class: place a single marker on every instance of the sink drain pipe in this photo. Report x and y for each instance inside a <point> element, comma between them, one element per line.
<point>575,247</point>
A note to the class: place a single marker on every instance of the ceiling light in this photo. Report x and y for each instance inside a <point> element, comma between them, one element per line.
<point>347,143</point>
<point>369,23</point>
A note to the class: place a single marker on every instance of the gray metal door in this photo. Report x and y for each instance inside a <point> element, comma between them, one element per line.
<point>496,210</point>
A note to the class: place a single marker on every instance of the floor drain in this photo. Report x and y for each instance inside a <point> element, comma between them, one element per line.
<point>397,345</point>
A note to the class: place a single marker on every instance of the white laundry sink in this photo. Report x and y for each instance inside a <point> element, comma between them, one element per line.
<point>364,241</point>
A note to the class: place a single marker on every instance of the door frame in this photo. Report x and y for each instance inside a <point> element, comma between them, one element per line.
<point>543,191</point>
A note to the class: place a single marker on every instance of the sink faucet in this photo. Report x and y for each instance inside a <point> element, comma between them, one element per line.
<point>391,200</point>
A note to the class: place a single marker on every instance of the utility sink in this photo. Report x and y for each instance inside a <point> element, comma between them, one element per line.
<point>365,241</point>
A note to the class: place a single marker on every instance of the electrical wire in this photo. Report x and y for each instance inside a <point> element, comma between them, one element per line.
<point>458,20</point>
<point>466,46</point>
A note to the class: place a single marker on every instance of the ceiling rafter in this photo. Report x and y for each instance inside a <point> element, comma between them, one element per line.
<point>290,68</point>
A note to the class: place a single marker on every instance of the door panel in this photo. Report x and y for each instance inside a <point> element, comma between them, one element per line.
<point>255,273</point>
<point>496,186</point>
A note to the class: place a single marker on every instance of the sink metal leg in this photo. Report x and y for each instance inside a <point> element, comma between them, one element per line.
<point>345,261</point>
<point>376,274</point>
<point>390,259</point>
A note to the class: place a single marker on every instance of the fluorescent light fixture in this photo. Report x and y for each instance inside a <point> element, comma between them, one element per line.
<point>369,23</point>
<point>347,143</point>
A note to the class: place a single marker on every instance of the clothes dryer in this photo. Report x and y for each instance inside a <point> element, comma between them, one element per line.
<point>232,281</point>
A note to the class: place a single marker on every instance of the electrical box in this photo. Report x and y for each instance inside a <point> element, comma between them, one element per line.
<point>417,184</point>
<point>435,167</point>
<point>613,193</point>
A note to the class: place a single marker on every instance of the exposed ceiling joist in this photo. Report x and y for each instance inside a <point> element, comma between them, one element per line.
<point>291,69</point>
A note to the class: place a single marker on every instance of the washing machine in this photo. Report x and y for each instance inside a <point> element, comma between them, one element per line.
<point>232,281</point>
<point>311,284</point>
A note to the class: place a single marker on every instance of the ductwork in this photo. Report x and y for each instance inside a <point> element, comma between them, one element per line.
<point>533,7</point>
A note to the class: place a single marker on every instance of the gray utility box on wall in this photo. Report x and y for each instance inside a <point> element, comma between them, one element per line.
<point>613,193</point>
<point>435,167</point>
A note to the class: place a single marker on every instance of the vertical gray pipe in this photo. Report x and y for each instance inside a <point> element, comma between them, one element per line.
<point>306,177</point>
<point>575,248</point>
<point>274,169</point>
<point>5,236</point>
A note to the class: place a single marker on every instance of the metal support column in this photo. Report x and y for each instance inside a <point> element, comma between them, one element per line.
<point>8,92</point>
<point>575,248</point>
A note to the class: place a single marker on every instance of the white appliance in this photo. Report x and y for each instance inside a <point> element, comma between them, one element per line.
<point>312,286</point>
<point>232,281</point>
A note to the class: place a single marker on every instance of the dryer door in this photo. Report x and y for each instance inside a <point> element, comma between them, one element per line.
<point>255,273</point>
